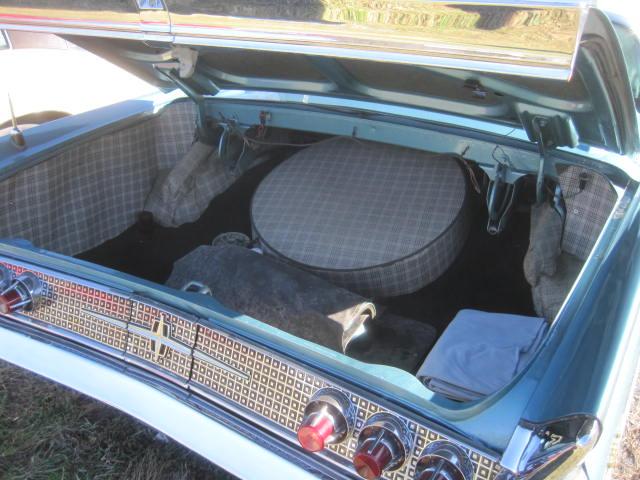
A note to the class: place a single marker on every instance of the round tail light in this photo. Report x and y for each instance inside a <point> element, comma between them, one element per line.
<point>23,293</point>
<point>384,444</point>
<point>371,464</point>
<point>442,460</point>
<point>328,418</point>
<point>315,431</point>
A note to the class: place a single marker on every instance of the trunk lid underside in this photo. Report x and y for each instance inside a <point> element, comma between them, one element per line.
<point>502,63</point>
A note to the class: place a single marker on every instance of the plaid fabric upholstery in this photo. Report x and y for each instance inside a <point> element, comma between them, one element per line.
<point>92,191</point>
<point>552,262</point>
<point>550,291</point>
<point>377,219</point>
<point>174,133</point>
<point>587,209</point>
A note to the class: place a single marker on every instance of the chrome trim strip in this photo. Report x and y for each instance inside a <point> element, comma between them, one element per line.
<point>69,335</point>
<point>106,318</point>
<point>187,37</point>
<point>160,338</point>
<point>550,449</point>
<point>83,30</point>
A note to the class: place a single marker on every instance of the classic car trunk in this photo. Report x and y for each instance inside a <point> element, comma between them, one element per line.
<point>487,275</point>
<point>348,187</point>
<point>89,201</point>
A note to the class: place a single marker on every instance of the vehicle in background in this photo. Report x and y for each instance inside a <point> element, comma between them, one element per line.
<point>48,77</point>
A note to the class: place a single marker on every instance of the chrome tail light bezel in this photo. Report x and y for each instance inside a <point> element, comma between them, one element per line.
<point>549,450</point>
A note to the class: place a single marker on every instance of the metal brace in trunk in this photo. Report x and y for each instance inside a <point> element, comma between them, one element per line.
<point>548,132</point>
<point>501,195</point>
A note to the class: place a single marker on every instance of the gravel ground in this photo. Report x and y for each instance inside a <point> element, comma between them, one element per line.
<point>627,462</point>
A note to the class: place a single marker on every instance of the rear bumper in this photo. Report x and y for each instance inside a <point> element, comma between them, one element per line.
<point>103,336</point>
<point>210,434</point>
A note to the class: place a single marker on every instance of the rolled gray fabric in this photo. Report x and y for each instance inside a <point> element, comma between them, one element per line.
<point>181,194</point>
<point>480,352</point>
<point>545,241</point>
<point>276,293</point>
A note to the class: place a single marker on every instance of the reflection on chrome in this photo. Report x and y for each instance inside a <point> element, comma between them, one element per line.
<point>525,39</point>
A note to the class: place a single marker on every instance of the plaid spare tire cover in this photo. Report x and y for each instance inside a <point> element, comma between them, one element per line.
<point>377,219</point>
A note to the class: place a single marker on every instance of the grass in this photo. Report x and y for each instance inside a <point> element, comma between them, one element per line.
<point>48,432</point>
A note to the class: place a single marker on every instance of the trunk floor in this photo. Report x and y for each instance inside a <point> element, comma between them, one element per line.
<point>487,275</point>
<point>149,251</point>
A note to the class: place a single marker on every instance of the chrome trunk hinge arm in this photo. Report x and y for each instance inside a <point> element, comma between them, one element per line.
<point>539,123</point>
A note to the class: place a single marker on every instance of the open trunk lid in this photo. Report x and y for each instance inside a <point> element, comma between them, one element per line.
<point>510,64</point>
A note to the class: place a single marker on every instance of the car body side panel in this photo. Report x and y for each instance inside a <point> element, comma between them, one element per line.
<point>579,364</point>
<point>44,140</point>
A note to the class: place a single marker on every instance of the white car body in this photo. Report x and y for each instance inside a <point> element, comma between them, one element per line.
<point>44,73</point>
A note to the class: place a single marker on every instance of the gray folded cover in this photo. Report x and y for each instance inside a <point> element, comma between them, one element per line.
<point>480,352</point>
<point>276,293</point>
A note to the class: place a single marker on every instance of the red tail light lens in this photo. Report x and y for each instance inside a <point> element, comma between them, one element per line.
<point>10,301</point>
<point>23,292</point>
<point>370,465</point>
<point>328,418</point>
<point>383,446</point>
<point>313,434</point>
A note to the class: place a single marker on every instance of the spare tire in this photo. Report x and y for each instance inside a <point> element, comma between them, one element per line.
<point>377,219</point>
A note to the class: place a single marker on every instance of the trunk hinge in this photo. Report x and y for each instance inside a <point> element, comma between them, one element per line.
<point>547,138</point>
<point>549,129</point>
<point>548,132</point>
<point>204,131</point>
<point>178,65</point>
<point>179,75</point>
<point>539,124</point>
<point>501,195</point>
